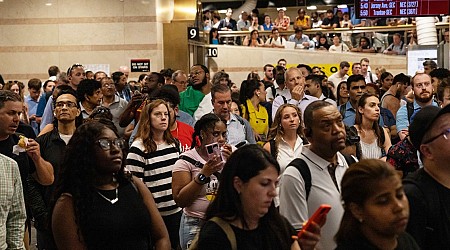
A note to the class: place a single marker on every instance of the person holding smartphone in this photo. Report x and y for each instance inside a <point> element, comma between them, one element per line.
<point>195,174</point>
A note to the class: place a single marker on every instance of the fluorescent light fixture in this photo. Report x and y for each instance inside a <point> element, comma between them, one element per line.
<point>48,4</point>
<point>313,7</point>
<point>342,6</point>
<point>222,11</point>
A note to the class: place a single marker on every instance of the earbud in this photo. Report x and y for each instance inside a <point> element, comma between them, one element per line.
<point>54,113</point>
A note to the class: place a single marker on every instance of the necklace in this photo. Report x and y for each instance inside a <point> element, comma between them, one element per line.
<point>113,200</point>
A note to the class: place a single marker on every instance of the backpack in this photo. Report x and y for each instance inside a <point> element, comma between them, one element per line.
<point>410,110</point>
<point>426,186</point>
<point>225,226</point>
<point>303,168</point>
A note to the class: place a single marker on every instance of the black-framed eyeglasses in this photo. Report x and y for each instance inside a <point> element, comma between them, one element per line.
<point>106,144</point>
<point>75,65</point>
<point>446,135</point>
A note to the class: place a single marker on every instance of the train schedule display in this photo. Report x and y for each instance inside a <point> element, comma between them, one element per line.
<point>401,8</point>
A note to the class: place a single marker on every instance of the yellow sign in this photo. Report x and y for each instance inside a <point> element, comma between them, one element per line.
<point>329,69</point>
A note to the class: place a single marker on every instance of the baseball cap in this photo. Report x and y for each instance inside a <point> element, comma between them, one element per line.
<point>423,121</point>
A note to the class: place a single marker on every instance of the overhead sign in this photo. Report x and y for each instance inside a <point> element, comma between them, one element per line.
<point>401,8</point>
<point>140,65</point>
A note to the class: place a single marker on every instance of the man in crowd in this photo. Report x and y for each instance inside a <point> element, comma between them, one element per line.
<point>331,21</point>
<point>356,68</point>
<point>356,87</point>
<point>340,76</point>
<point>313,87</point>
<point>437,76</point>
<point>239,130</point>
<point>179,79</point>
<point>13,216</point>
<point>301,40</point>
<point>392,99</point>
<point>305,69</point>
<point>276,41</point>
<point>443,93</point>
<point>53,146</point>
<point>199,87</point>
<point>295,83</point>
<point>122,89</point>
<point>99,75</point>
<point>278,87</point>
<point>428,189</point>
<point>398,47</point>
<point>112,101</point>
<point>90,95</point>
<point>268,73</point>
<point>29,158</point>
<point>282,62</point>
<point>423,96</point>
<point>32,100</point>
<point>365,71</point>
<point>428,66</point>
<point>325,132</point>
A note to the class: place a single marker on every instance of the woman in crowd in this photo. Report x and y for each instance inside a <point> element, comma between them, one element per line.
<point>286,138</point>
<point>342,93</point>
<point>282,21</point>
<point>267,25</point>
<point>375,141</point>
<point>18,88</point>
<point>252,94</point>
<point>255,23</point>
<point>338,46</point>
<point>323,43</point>
<point>364,46</point>
<point>244,202</point>
<point>99,206</point>
<point>214,36</point>
<point>235,107</point>
<point>195,175</point>
<point>253,40</point>
<point>376,209</point>
<point>152,157</point>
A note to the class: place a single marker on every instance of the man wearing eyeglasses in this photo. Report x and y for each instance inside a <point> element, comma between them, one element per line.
<point>116,104</point>
<point>29,158</point>
<point>53,145</point>
<point>428,189</point>
<point>423,96</point>
<point>199,86</point>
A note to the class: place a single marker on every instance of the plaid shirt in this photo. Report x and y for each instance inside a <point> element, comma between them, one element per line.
<point>12,205</point>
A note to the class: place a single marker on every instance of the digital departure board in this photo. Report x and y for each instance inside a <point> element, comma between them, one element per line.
<point>401,8</point>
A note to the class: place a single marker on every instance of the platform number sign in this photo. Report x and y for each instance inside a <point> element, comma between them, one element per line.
<point>193,33</point>
<point>211,52</point>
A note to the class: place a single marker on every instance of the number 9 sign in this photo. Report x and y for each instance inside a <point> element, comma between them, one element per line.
<point>193,33</point>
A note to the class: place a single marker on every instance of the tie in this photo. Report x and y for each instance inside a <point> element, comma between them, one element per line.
<point>332,172</point>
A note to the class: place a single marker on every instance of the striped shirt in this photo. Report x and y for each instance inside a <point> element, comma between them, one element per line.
<point>155,170</point>
<point>12,207</point>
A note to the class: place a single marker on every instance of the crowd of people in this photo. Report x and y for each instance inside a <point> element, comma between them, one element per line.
<point>341,41</point>
<point>177,160</point>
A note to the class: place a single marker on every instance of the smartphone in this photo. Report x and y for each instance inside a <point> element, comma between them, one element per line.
<point>214,149</point>
<point>317,217</point>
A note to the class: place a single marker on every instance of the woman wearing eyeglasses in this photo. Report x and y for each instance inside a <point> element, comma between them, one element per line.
<point>195,175</point>
<point>151,158</point>
<point>98,205</point>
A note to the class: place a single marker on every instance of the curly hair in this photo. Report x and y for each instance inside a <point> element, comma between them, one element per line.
<point>145,131</point>
<point>79,171</point>
<point>207,121</point>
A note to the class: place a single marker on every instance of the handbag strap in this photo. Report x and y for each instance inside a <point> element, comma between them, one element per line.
<point>228,231</point>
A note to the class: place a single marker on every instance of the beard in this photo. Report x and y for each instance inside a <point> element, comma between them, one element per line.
<point>423,99</point>
<point>199,86</point>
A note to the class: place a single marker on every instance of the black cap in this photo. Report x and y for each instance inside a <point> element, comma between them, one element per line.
<point>423,121</point>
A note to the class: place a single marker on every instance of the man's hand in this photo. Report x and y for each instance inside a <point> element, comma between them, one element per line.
<point>297,93</point>
<point>33,149</point>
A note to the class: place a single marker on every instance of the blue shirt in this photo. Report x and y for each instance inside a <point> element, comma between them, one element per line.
<point>267,27</point>
<point>47,117</point>
<point>402,115</point>
<point>350,115</point>
<point>32,108</point>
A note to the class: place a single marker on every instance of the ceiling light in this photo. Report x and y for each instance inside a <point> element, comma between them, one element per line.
<point>313,7</point>
<point>342,6</point>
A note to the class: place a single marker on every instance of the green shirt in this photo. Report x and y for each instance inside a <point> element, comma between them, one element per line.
<point>190,99</point>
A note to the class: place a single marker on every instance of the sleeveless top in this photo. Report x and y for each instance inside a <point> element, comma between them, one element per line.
<point>125,224</point>
<point>370,151</point>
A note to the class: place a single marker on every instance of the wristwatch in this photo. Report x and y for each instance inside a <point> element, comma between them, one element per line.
<point>202,179</point>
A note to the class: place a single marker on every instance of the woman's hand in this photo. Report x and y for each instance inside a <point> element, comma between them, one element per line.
<point>310,238</point>
<point>213,165</point>
<point>226,151</point>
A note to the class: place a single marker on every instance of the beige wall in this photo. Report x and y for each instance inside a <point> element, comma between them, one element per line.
<point>35,36</point>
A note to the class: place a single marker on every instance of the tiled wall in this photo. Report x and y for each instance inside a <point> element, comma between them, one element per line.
<point>34,36</point>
